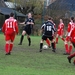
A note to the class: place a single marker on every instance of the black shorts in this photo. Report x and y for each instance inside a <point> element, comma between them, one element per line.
<point>27,29</point>
<point>44,37</point>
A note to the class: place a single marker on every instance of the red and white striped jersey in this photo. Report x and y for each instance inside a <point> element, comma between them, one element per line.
<point>10,25</point>
<point>61,26</point>
<point>71,27</point>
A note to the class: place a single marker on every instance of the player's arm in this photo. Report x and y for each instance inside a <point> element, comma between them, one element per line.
<point>53,28</point>
<point>42,29</point>
<point>16,27</point>
<point>33,22</point>
<point>63,28</point>
<point>68,29</point>
<point>29,23</point>
<point>22,23</point>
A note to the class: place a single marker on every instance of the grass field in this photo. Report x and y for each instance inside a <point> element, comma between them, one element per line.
<point>26,60</point>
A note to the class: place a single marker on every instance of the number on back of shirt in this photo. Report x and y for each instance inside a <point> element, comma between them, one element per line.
<point>48,28</point>
<point>9,24</point>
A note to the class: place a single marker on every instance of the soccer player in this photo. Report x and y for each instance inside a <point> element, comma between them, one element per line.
<point>10,29</point>
<point>73,42</point>
<point>27,29</point>
<point>48,28</point>
<point>71,26</point>
<point>47,40</point>
<point>60,31</point>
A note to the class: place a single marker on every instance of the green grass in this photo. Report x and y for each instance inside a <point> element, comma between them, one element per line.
<point>26,60</point>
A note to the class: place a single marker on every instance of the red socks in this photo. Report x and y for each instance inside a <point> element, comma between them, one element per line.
<point>48,42</point>
<point>70,49</point>
<point>11,46</point>
<point>56,40</point>
<point>8,48</point>
<point>66,47</point>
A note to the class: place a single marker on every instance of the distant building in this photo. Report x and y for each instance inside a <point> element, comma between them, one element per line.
<point>2,4</point>
<point>10,4</point>
<point>5,10</point>
<point>48,2</point>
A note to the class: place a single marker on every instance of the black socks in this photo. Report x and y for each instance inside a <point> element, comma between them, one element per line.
<point>21,39</point>
<point>29,40</point>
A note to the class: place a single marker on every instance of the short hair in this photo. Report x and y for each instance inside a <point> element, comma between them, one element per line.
<point>72,18</point>
<point>11,14</point>
<point>49,18</point>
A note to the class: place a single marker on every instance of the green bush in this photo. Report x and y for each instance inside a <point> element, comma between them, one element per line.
<point>2,18</point>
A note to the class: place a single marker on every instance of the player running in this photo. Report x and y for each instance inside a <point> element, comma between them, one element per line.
<point>73,42</point>
<point>60,31</point>
<point>48,28</point>
<point>47,40</point>
<point>27,29</point>
<point>10,29</point>
<point>70,28</point>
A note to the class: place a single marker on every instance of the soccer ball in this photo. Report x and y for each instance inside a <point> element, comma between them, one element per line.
<point>45,47</point>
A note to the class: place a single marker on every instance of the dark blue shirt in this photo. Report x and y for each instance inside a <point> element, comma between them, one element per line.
<point>48,28</point>
<point>29,20</point>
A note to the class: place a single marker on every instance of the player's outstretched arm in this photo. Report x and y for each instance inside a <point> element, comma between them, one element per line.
<point>22,23</point>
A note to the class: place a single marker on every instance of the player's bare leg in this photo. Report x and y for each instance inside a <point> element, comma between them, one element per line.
<point>22,37</point>
<point>41,45</point>
<point>29,40</point>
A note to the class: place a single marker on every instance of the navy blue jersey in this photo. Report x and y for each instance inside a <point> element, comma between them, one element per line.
<point>29,20</point>
<point>48,28</point>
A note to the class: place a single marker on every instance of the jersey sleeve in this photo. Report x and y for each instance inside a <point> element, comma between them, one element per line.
<point>53,28</point>
<point>69,28</point>
<point>16,27</point>
<point>26,20</point>
<point>62,26</point>
<point>32,21</point>
<point>42,27</point>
